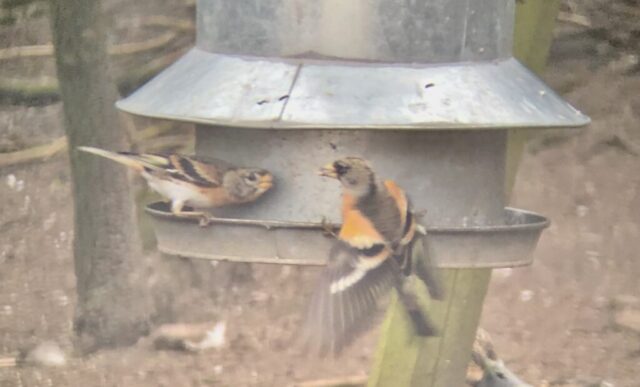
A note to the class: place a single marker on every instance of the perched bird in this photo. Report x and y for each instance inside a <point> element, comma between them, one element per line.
<point>195,181</point>
<point>373,253</point>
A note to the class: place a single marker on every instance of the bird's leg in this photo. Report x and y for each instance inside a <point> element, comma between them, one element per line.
<point>327,228</point>
<point>176,207</point>
<point>204,219</point>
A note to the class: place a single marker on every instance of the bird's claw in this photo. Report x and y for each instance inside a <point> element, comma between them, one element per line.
<point>204,220</point>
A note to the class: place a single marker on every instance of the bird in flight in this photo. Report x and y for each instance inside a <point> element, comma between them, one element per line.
<point>373,253</point>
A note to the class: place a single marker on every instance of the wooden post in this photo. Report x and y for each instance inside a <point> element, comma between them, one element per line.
<point>532,38</point>
<point>403,360</point>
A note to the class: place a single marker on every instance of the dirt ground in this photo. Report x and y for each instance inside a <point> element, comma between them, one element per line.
<point>552,322</point>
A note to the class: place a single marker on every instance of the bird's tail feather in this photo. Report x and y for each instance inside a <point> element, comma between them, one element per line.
<point>426,271</point>
<point>135,161</point>
<point>421,322</point>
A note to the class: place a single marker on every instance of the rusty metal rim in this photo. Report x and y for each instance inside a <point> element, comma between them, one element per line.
<point>535,222</point>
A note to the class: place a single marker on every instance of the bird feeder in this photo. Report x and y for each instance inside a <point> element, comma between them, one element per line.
<point>425,90</point>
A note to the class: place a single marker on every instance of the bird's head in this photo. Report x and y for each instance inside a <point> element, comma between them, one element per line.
<point>354,173</point>
<point>247,184</point>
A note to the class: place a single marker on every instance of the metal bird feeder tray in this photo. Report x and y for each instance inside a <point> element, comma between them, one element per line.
<point>425,90</point>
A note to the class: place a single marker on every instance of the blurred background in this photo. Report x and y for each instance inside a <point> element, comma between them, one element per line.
<point>571,319</point>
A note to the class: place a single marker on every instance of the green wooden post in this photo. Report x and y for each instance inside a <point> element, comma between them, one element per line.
<point>402,360</point>
<point>532,38</point>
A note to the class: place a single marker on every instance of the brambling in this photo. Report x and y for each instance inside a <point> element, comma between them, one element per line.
<point>372,254</point>
<point>195,181</point>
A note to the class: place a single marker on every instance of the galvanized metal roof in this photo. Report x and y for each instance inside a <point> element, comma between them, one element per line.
<point>255,92</point>
<point>367,30</point>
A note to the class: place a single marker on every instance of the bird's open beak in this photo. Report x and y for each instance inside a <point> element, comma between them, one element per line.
<point>266,182</point>
<point>328,171</point>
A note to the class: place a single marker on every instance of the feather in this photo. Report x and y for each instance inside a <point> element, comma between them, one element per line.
<point>194,171</point>
<point>421,322</point>
<point>135,161</point>
<point>425,270</point>
<point>338,313</point>
<point>177,167</point>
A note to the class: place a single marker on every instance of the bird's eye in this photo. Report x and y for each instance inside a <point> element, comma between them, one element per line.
<point>252,177</point>
<point>340,167</point>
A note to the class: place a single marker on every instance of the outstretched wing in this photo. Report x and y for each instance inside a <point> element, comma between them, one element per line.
<point>345,300</point>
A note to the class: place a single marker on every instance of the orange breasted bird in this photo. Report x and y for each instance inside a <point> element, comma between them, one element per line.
<point>372,254</point>
<point>196,181</point>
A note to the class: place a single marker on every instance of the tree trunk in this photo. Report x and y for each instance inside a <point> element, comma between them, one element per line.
<point>113,304</point>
